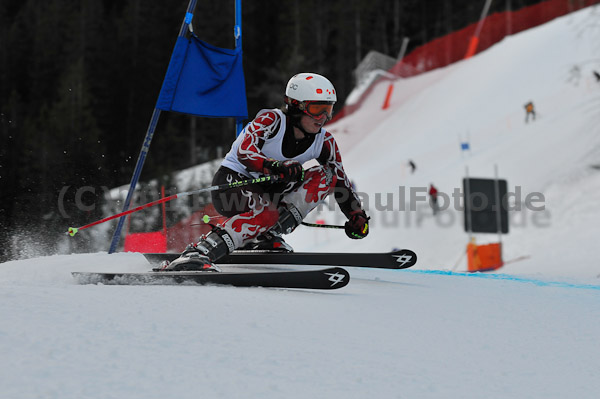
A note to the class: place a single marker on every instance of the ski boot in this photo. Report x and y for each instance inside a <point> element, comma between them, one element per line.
<point>202,255</point>
<point>289,219</point>
<point>268,241</point>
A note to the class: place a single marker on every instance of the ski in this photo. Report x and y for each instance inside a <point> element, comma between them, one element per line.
<point>323,279</point>
<point>400,259</point>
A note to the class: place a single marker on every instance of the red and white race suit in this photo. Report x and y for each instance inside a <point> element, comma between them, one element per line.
<point>254,208</point>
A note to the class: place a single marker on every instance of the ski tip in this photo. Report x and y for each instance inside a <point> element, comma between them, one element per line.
<point>404,258</point>
<point>337,277</point>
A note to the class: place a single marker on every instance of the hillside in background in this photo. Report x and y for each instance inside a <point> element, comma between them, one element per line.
<point>482,100</point>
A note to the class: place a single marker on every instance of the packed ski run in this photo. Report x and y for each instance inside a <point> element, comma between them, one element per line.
<point>426,331</point>
<point>388,333</point>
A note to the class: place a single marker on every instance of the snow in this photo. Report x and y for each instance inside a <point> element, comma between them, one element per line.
<point>428,332</point>
<point>483,99</point>
<point>387,334</point>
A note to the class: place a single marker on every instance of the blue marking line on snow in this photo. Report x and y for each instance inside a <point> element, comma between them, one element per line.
<point>507,277</point>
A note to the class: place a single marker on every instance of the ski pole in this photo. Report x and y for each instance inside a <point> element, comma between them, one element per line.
<point>324,226</point>
<point>272,179</point>
<point>206,219</point>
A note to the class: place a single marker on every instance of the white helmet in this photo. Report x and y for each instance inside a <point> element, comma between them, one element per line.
<point>310,87</point>
<point>310,93</point>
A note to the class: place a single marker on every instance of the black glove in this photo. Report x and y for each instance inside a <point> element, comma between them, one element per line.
<point>289,171</point>
<point>357,226</point>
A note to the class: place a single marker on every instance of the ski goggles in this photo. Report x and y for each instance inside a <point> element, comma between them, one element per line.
<point>316,108</point>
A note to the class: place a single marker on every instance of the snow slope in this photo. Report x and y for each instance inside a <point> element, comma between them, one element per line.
<point>389,334</point>
<point>482,100</point>
<point>424,333</point>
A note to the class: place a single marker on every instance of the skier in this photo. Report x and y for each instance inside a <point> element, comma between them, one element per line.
<point>412,165</point>
<point>277,143</point>
<point>529,110</point>
<point>433,198</point>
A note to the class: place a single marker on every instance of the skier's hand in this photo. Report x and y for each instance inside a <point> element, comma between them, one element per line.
<point>289,171</point>
<point>357,226</point>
